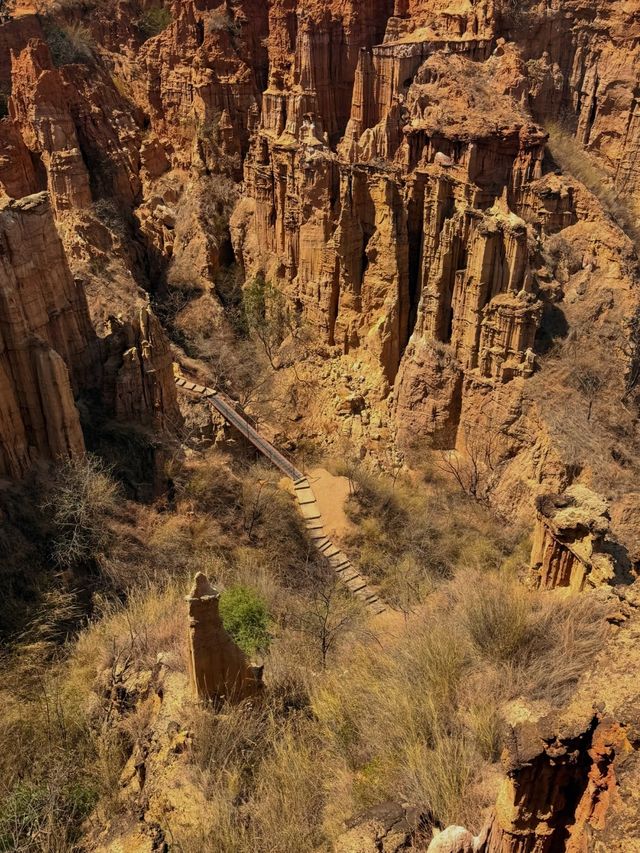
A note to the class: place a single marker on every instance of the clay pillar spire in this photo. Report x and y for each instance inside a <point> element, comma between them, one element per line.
<point>218,668</point>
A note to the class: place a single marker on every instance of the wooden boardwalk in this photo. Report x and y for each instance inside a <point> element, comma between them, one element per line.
<point>337,559</point>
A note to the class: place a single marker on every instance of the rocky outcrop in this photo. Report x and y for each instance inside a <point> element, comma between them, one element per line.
<point>413,236</point>
<point>138,373</point>
<point>559,785</point>
<point>18,175</point>
<point>40,105</point>
<point>50,353</point>
<point>48,349</point>
<point>571,775</point>
<point>455,839</point>
<point>200,80</point>
<point>584,63</point>
<point>78,126</point>
<point>394,184</point>
<point>569,542</point>
<point>389,827</point>
<point>218,668</point>
<point>377,253</point>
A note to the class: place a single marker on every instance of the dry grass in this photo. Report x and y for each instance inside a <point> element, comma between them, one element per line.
<point>416,531</point>
<point>420,720</point>
<point>416,718</point>
<point>574,160</point>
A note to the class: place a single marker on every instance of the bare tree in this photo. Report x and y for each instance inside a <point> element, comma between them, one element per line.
<point>83,497</point>
<point>472,467</point>
<point>331,615</point>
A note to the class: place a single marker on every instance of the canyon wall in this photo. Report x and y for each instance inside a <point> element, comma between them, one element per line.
<point>48,349</point>
<point>395,185</point>
<point>420,236</point>
<point>395,189</point>
<point>50,353</point>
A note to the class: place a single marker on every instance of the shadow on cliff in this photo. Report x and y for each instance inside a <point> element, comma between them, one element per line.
<point>553,327</point>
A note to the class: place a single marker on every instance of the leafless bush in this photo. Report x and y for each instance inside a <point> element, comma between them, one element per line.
<point>473,466</point>
<point>82,499</point>
<point>73,44</point>
<point>220,20</point>
<point>331,615</point>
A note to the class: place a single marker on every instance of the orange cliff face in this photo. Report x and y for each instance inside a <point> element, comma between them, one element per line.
<point>396,187</point>
<point>50,353</point>
<point>394,182</point>
<point>48,348</point>
<point>412,234</point>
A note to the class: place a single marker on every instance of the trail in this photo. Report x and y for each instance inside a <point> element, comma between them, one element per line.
<point>307,502</point>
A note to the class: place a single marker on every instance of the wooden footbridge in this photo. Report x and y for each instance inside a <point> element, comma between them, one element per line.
<point>307,502</point>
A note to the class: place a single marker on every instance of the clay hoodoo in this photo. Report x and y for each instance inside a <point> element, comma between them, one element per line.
<point>218,668</point>
<point>569,542</point>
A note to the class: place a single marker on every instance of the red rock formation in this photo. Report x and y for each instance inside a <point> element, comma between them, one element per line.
<point>15,34</point>
<point>17,172</point>
<point>559,785</point>
<point>49,351</point>
<point>420,227</point>
<point>394,184</point>
<point>199,80</point>
<point>584,61</point>
<point>40,104</point>
<point>76,122</point>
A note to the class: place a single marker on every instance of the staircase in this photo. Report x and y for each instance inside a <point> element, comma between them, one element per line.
<point>309,509</point>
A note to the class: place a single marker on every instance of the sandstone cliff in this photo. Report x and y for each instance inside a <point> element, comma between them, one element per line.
<point>418,231</point>
<point>458,287</point>
<point>396,189</point>
<point>48,348</point>
<point>50,353</point>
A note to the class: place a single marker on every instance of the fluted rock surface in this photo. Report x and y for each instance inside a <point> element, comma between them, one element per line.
<point>395,186</point>
<point>411,230</point>
<point>49,351</point>
<point>48,347</point>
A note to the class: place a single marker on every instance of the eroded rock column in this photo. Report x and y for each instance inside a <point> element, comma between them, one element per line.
<point>569,543</point>
<point>218,668</point>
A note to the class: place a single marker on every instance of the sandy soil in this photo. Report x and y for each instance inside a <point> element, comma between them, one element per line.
<point>331,493</point>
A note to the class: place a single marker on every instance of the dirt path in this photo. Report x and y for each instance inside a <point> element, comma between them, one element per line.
<point>331,493</point>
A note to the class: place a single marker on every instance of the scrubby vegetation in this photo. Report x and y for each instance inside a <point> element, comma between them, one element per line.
<point>574,160</point>
<point>69,44</point>
<point>410,708</point>
<point>412,534</point>
<point>153,21</point>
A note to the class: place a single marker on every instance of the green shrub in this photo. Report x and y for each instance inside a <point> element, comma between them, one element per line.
<point>152,22</point>
<point>245,616</point>
<point>69,44</point>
